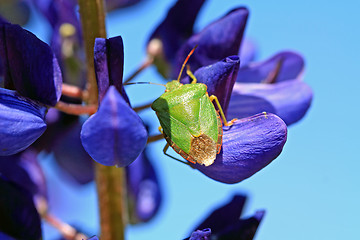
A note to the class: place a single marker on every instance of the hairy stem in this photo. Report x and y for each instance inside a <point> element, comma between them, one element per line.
<point>110,180</point>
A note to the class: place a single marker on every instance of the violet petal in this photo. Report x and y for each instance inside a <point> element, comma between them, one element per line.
<point>225,215</point>
<point>291,67</point>
<point>204,234</point>
<point>217,41</point>
<point>19,217</point>
<point>219,78</point>
<point>24,170</point>
<point>290,100</point>
<point>21,122</point>
<point>109,64</point>
<point>30,65</point>
<point>71,156</point>
<point>115,135</point>
<point>248,146</point>
<point>177,26</point>
<point>144,192</point>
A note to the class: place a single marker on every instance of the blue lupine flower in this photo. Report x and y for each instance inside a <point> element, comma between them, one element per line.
<point>172,32</point>
<point>225,222</point>
<point>19,217</point>
<point>24,170</point>
<point>143,188</point>
<point>21,122</point>
<point>251,143</point>
<point>115,135</point>
<point>274,86</point>
<point>30,66</point>
<point>218,40</point>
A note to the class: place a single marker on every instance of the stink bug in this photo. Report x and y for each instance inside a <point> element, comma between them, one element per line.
<point>189,121</point>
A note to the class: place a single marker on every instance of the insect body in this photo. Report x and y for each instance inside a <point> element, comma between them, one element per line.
<point>190,123</point>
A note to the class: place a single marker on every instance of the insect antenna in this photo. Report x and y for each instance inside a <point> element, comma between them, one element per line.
<point>145,83</point>
<point>186,60</point>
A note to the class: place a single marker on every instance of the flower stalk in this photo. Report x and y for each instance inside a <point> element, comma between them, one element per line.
<point>110,180</point>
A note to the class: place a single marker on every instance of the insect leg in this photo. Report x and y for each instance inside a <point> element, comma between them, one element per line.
<point>226,123</point>
<point>165,152</point>
<point>191,75</point>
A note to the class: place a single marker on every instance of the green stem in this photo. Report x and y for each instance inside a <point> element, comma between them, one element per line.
<point>110,180</point>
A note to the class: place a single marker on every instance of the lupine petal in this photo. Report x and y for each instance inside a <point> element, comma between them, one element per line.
<point>219,78</point>
<point>204,234</point>
<point>24,170</point>
<point>71,156</point>
<point>30,66</point>
<point>290,100</point>
<point>225,222</point>
<point>109,63</point>
<point>247,52</point>
<point>174,30</point>
<point>115,135</point>
<point>143,189</point>
<point>244,229</point>
<point>21,122</point>
<point>291,67</point>
<point>217,41</point>
<point>19,217</point>
<point>248,146</point>
<point>224,216</point>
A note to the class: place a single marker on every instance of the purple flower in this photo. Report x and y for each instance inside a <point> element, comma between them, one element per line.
<point>172,32</point>
<point>225,222</point>
<point>250,143</point>
<point>21,122</point>
<point>218,40</point>
<point>30,66</point>
<point>272,86</point>
<point>143,187</point>
<point>19,217</point>
<point>115,135</point>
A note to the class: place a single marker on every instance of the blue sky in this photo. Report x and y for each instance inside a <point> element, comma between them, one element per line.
<point>311,191</point>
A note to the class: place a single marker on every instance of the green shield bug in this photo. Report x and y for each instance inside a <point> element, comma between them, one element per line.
<point>189,121</point>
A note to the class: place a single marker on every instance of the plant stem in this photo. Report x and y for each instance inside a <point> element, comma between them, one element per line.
<point>110,180</point>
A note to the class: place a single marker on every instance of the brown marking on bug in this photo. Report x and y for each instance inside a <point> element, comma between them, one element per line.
<point>178,150</point>
<point>203,150</point>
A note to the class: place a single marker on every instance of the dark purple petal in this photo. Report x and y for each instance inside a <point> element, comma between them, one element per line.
<point>247,52</point>
<point>204,234</point>
<point>224,216</point>
<point>19,217</point>
<point>143,190</point>
<point>290,100</point>
<point>217,41</point>
<point>115,135</point>
<point>24,170</point>
<point>219,78</point>
<point>243,229</point>
<point>248,146</point>
<point>58,11</point>
<point>4,236</point>
<point>109,64</point>
<point>71,156</point>
<point>21,122</point>
<point>291,66</point>
<point>30,66</point>
<point>173,31</point>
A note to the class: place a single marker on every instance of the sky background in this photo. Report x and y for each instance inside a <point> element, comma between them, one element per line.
<point>311,191</point>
